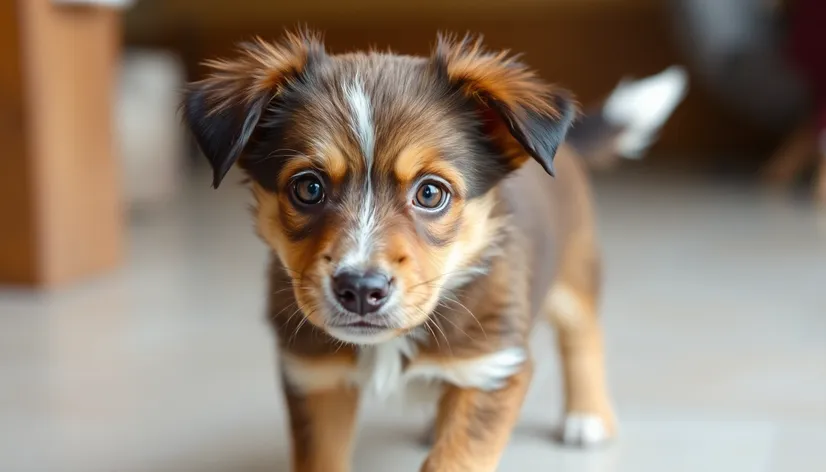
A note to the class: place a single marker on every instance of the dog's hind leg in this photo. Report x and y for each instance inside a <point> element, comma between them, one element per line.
<point>571,306</point>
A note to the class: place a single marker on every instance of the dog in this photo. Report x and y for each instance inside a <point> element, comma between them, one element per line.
<point>417,234</point>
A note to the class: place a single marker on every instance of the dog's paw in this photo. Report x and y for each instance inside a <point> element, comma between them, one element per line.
<point>584,430</point>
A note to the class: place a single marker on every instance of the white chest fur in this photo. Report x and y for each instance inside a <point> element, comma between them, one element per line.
<point>381,367</point>
<point>386,368</point>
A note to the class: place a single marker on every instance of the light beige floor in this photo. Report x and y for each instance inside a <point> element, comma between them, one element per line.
<point>715,313</point>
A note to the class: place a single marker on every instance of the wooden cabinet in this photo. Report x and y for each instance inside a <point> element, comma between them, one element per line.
<point>60,207</point>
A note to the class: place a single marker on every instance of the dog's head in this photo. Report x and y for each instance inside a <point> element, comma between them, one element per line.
<point>373,173</point>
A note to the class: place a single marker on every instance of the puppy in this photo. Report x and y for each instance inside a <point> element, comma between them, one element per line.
<point>417,234</point>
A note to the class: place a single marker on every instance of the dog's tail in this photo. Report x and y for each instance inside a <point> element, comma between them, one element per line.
<point>628,121</point>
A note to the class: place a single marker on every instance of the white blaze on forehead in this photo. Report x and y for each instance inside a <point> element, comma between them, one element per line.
<point>361,123</point>
<point>361,117</point>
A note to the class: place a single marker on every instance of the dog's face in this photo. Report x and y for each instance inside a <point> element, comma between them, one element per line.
<point>373,173</point>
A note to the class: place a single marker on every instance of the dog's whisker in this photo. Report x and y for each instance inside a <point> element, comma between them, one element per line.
<point>431,319</point>
<point>441,316</point>
<point>298,311</point>
<point>298,327</point>
<point>432,333</point>
<point>454,300</point>
<point>290,318</point>
<point>284,309</point>
<point>285,289</point>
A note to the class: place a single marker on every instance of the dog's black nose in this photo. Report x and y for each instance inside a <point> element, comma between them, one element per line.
<point>361,292</point>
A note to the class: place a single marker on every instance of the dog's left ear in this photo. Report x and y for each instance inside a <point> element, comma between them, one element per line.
<point>523,115</point>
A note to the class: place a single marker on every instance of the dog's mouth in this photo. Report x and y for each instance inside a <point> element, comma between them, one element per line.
<point>362,331</point>
<point>366,325</point>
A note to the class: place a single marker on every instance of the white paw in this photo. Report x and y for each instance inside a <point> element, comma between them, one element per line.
<point>584,430</point>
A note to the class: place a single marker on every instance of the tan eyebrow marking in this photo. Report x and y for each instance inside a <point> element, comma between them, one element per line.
<point>412,160</point>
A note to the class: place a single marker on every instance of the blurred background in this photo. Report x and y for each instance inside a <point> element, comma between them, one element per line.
<point>131,294</point>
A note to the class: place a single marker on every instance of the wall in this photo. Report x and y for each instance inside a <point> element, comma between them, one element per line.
<point>586,45</point>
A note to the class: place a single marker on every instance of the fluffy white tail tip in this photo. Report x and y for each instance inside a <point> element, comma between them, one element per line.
<point>641,107</point>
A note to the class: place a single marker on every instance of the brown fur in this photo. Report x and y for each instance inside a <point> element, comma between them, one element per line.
<point>473,427</point>
<point>323,425</point>
<point>495,74</point>
<point>260,68</point>
<point>472,279</point>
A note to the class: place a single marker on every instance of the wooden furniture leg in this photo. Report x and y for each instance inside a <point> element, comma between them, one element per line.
<point>60,203</point>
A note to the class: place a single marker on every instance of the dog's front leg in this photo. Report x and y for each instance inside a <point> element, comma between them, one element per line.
<point>323,425</point>
<point>473,426</point>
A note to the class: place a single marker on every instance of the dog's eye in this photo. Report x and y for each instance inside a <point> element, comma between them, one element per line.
<point>308,190</point>
<point>431,196</point>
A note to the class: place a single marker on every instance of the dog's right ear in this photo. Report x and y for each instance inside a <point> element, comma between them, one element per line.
<point>224,109</point>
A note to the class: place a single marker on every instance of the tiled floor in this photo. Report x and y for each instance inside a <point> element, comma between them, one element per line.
<point>715,313</point>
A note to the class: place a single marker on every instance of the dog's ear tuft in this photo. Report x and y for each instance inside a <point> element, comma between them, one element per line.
<point>224,109</point>
<point>522,114</point>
